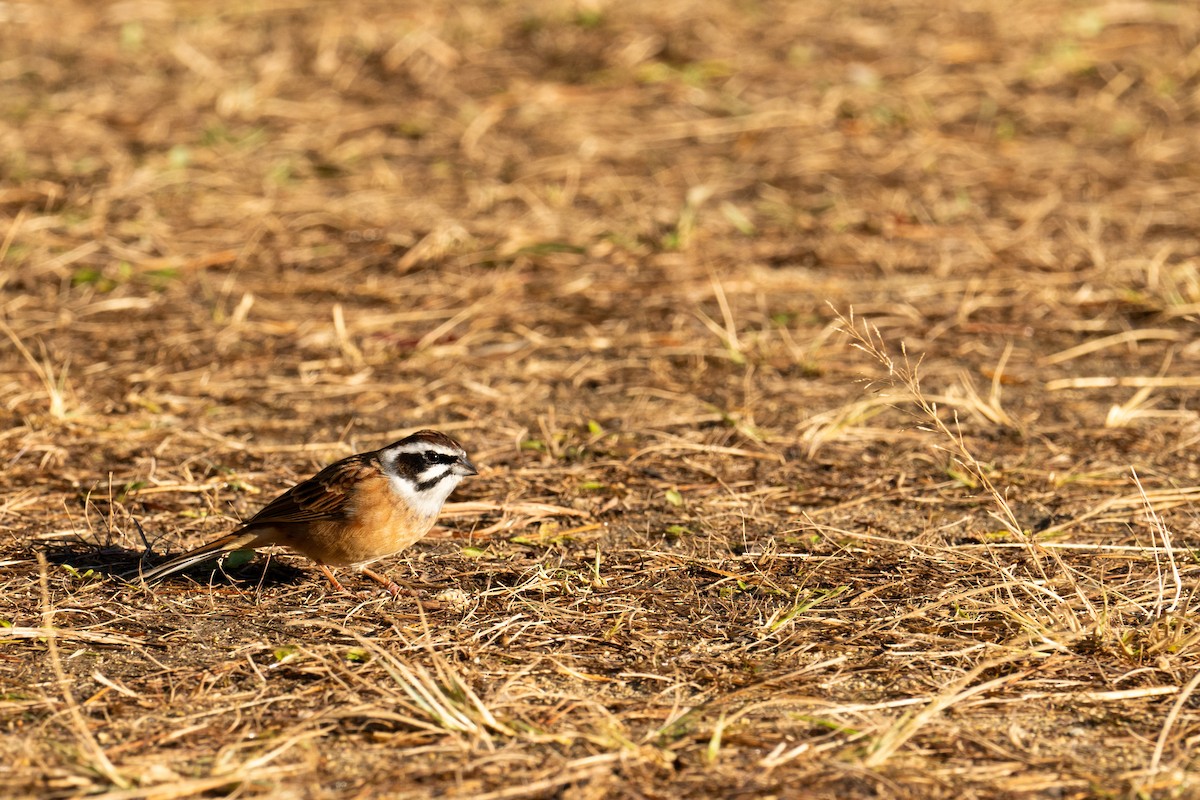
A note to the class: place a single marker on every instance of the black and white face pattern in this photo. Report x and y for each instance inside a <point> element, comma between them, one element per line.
<point>424,469</point>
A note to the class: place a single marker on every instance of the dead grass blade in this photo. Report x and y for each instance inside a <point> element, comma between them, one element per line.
<point>1116,340</point>
<point>92,637</point>
<point>870,341</point>
<point>439,700</point>
<point>1160,744</point>
<point>53,380</point>
<point>99,759</point>
<point>1157,526</point>
<point>885,746</point>
<point>193,787</point>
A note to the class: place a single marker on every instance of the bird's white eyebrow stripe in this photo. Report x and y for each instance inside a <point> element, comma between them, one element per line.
<point>421,447</point>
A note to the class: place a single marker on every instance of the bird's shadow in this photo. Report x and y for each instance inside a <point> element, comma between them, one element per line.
<point>85,562</point>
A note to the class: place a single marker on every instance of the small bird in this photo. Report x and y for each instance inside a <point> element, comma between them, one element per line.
<point>355,511</point>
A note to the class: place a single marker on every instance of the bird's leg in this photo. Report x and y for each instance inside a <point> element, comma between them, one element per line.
<point>383,581</point>
<point>337,587</point>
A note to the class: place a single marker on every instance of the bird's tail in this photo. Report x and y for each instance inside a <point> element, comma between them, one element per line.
<point>238,540</point>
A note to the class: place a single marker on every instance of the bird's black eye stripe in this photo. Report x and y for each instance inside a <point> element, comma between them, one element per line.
<point>433,457</point>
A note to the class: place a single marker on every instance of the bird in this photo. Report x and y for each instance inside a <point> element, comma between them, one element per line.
<point>353,512</point>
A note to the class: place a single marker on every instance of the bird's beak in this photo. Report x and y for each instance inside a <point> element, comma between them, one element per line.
<point>464,467</point>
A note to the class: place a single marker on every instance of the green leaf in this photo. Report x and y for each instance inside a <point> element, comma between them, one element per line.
<point>285,652</point>
<point>238,557</point>
<point>963,477</point>
<point>159,278</point>
<point>132,36</point>
<point>87,276</point>
<point>674,497</point>
<point>81,576</point>
<point>545,248</point>
<point>179,156</point>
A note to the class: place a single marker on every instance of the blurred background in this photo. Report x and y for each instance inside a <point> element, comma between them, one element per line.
<point>607,245</point>
<point>336,221</point>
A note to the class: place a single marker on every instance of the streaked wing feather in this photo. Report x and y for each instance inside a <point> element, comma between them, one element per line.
<point>322,496</point>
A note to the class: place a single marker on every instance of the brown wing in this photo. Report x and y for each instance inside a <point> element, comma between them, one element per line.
<point>323,496</point>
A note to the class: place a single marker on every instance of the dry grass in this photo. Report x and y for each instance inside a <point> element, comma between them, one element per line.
<point>716,549</point>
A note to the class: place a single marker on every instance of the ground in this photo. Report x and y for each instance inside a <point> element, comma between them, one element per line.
<point>830,368</point>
